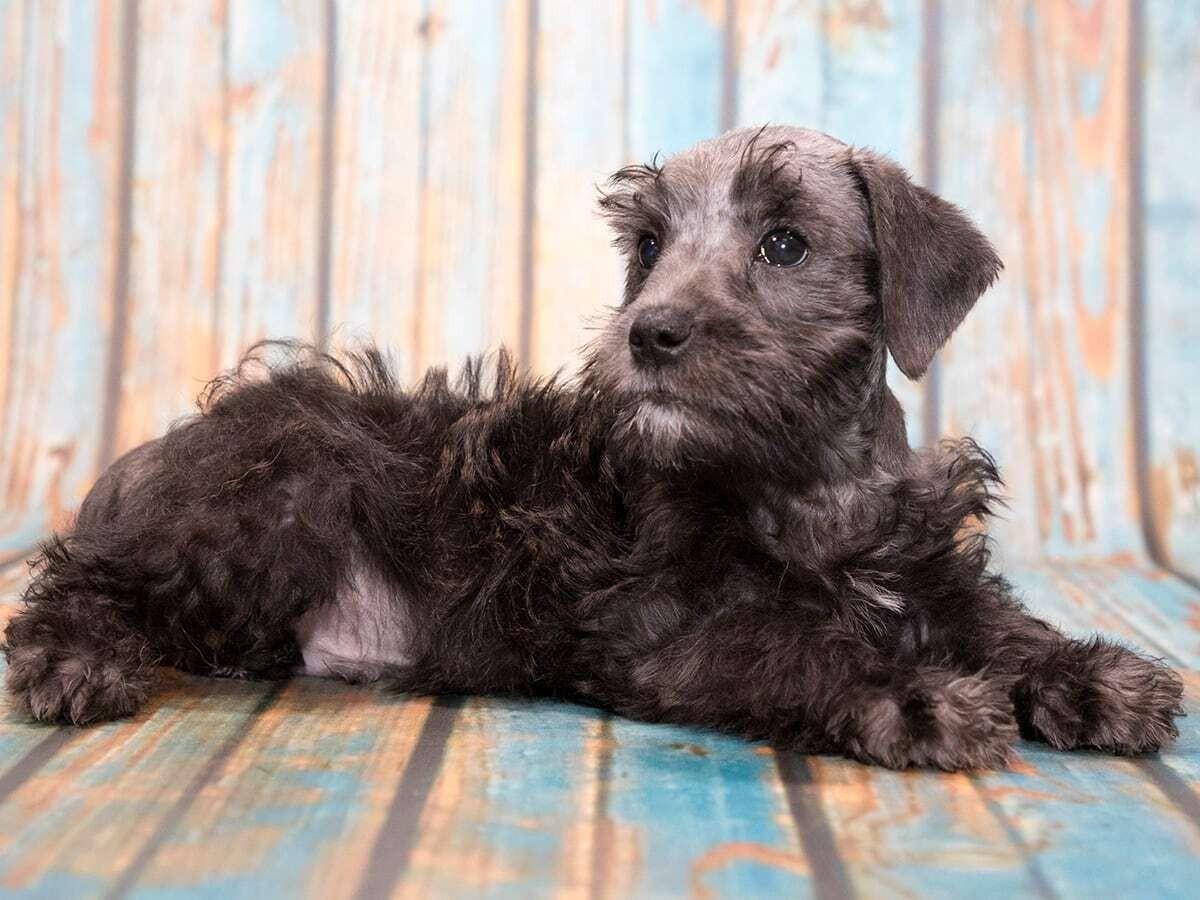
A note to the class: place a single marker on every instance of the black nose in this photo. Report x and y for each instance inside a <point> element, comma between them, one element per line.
<point>660,334</point>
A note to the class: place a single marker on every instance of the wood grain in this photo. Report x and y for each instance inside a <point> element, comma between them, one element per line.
<point>1171,233</point>
<point>677,82</point>
<point>60,130</point>
<point>469,286</point>
<point>86,816</point>
<point>1040,372</point>
<point>577,275</point>
<point>509,805</point>
<point>224,209</point>
<point>171,345</point>
<point>274,86</point>
<point>301,799</point>
<point>740,839</point>
<point>377,176</point>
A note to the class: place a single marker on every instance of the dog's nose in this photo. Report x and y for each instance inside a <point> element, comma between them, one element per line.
<point>660,334</point>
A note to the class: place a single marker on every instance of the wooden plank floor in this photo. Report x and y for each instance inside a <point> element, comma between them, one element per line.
<point>311,787</point>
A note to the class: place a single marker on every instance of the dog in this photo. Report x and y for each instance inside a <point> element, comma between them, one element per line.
<point>719,523</point>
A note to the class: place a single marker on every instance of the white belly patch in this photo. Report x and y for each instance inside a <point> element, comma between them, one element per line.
<point>365,630</point>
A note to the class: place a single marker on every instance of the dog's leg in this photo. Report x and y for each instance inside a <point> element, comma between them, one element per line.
<point>73,652</point>
<point>1074,693</point>
<point>73,657</point>
<point>811,686</point>
<point>181,572</point>
<point>1095,693</point>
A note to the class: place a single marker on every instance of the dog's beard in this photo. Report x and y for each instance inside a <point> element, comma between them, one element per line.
<point>658,429</point>
<point>672,433</point>
<point>663,421</point>
<point>663,426</point>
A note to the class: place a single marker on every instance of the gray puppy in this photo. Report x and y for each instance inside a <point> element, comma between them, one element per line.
<point>721,524</point>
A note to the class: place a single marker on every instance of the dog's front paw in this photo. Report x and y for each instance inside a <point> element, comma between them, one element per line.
<point>937,719</point>
<point>73,686</point>
<point>1099,695</point>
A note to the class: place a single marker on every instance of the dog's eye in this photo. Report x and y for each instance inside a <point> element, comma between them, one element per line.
<point>783,247</point>
<point>648,251</point>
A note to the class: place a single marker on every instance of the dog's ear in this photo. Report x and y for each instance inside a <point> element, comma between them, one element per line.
<point>933,263</point>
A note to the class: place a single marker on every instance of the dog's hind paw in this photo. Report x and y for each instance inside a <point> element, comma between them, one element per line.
<point>1099,695</point>
<point>938,719</point>
<point>72,686</point>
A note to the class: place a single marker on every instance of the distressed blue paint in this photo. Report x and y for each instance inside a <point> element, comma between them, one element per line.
<point>468,51</point>
<point>1148,608</point>
<point>276,56</point>
<point>688,792</point>
<point>973,369</point>
<point>1080,796</point>
<point>532,765</point>
<point>782,65</point>
<point>264,35</point>
<point>872,95</point>
<point>306,828</point>
<point>922,834</point>
<point>1072,800</point>
<point>377,172</point>
<point>66,183</point>
<point>276,792</point>
<point>167,746</point>
<point>675,75</point>
<point>533,794</point>
<point>1040,371</point>
<point>170,344</point>
<point>577,273</point>
<point>1171,218</point>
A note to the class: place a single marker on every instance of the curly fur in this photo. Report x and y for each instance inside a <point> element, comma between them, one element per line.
<point>740,539</point>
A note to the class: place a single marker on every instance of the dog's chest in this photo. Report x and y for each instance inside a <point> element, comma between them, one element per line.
<point>363,632</point>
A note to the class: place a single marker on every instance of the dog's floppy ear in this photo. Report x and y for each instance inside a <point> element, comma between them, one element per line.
<point>933,263</point>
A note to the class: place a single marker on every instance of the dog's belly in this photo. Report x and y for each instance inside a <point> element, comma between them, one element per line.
<point>365,631</point>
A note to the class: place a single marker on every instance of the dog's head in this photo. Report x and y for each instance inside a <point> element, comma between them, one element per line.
<point>769,271</point>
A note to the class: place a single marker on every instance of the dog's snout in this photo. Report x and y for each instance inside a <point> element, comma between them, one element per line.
<point>660,334</point>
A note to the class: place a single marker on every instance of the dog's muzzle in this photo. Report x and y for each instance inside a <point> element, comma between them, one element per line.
<point>660,335</point>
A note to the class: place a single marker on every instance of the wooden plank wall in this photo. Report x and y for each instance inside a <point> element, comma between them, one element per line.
<point>179,179</point>
<point>1166,238</point>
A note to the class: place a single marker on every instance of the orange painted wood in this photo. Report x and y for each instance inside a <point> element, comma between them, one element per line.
<point>471,270</point>
<point>272,175</point>
<point>375,242</point>
<point>299,804</point>
<point>1034,130</point>
<point>92,811</point>
<point>60,159</point>
<point>511,809</point>
<point>1170,219</point>
<point>171,343</point>
<point>578,277</point>
<point>224,196</point>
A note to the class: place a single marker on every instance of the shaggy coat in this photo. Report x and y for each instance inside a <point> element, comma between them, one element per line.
<point>720,523</point>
